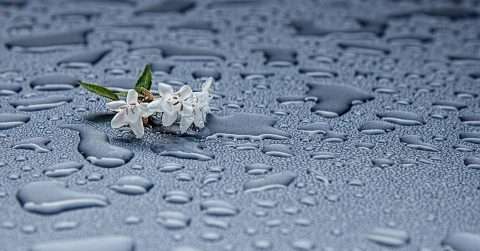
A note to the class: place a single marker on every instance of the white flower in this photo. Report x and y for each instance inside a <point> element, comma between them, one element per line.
<point>186,115</point>
<point>129,113</point>
<point>201,105</point>
<point>184,105</point>
<point>170,103</point>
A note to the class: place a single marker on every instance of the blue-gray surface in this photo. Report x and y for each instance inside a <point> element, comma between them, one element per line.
<point>336,125</point>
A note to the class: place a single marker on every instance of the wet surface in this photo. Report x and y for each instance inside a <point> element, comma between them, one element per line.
<point>335,125</point>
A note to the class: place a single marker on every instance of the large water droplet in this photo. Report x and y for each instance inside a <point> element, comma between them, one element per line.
<point>51,197</point>
<point>83,59</point>
<point>37,144</point>
<point>242,126</point>
<point>389,237</point>
<point>63,169</point>
<point>416,142</point>
<point>184,148</point>
<point>173,220</point>
<point>273,181</point>
<point>54,82</point>
<point>95,147</point>
<point>462,241</point>
<point>100,243</point>
<point>40,103</point>
<point>335,100</point>
<point>48,40</point>
<point>11,120</point>
<point>218,208</point>
<point>132,185</point>
<point>402,118</point>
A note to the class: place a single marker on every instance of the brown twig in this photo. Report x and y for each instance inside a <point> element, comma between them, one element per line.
<point>147,96</point>
<point>146,121</point>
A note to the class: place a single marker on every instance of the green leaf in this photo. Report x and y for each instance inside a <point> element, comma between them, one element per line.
<point>145,80</point>
<point>121,94</point>
<point>99,90</point>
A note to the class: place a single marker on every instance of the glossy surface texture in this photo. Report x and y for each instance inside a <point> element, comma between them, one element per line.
<point>335,126</point>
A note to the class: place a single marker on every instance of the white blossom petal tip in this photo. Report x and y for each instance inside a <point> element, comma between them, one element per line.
<point>129,113</point>
<point>207,85</point>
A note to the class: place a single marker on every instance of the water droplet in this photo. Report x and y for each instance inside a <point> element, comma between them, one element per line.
<point>279,57</point>
<point>37,144</point>
<point>65,225</point>
<point>63,169</point>
<point>177,197</point>
<point>462,241</point>
<point>242,126</point>
<point>132,185</point>
<point>470,137</point>
<point>273,181</point>
<point>471,119</point>
<point>48,40</point>
<point>335,100</point>
<point>11,120</point>
<point>170,167</point>
<point>382,162</point>
<point>40,103</point>
<point>96,148</point>
<point>99,243</point>
<point>389,237</point>
<point>54,82</point>
<point>262,244</point>
<point>303,245</point>
<point>416,142</point>
<point>374,127</point>
<point>218,208</point>
<point>177,53</point>
<point>51,197</point>
<point>173,220</point>
<point>211,236</point>
<point>402,118</point>
<point>84,59</point>
<point>216,222</point>
<point>316,128</point>
<point>278,150</point>
<point>169,6</point>
<point>184,148</point>
<point>258,169</point>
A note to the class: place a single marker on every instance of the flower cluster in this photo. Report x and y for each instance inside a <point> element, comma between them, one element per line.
<point>184,106</point>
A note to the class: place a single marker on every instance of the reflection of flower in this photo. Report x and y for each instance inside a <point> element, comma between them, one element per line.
<point>201,104</point>
<point>129,113</point>
<point>187,106</point>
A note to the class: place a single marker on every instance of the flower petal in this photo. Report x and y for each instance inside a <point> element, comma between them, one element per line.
<point>185,123</point>
<point>165,90</point>
<point>137,128</point>
<point>143,109</point>
<point>207,85</point>
<point>184,92</point>
<point>169,118</point>
<point>133,114</point>
<point>198,118</point>
<point>115,105</point>
<point>132,97</point>
<point>167,107</point>
<point>202,99</point>
<point>186,117</point>
<point>119,120</point>
<point>155,106</point>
